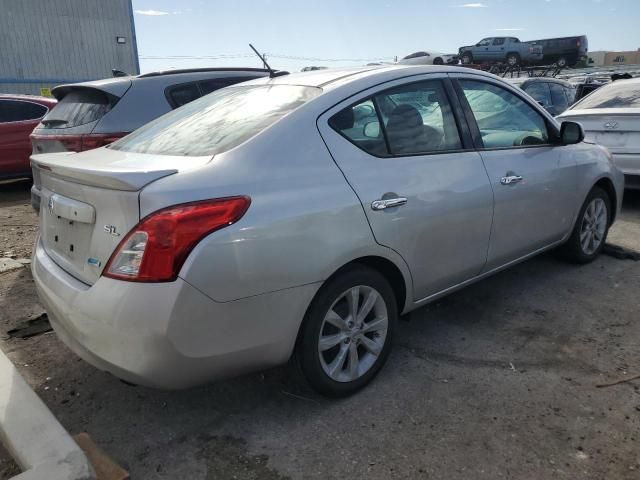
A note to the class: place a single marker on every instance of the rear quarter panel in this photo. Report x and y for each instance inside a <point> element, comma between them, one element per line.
<point>303,224</point>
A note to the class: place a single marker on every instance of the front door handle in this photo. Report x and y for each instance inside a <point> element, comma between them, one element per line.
<point>510,179</point>
<point>388,203</point>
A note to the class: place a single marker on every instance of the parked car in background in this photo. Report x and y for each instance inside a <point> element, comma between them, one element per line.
<point>425,57</point>
<point>610,116</point>
<point>258,222</point>
<point>564,51</point>
<point>509,50</point>
<point>553,94</point>
<point>93,114</point>
<point>19,115</point>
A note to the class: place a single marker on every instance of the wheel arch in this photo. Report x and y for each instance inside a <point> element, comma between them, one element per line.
<point>606,184</point>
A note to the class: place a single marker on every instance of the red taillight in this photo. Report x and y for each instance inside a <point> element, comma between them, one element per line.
<point>578,43</point>
<point>79,143</point>
<point>155,249</point>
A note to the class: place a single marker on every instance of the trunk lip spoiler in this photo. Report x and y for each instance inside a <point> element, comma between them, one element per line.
<point>135,180</point>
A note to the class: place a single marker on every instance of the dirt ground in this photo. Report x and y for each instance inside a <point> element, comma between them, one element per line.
<point>495,381</point>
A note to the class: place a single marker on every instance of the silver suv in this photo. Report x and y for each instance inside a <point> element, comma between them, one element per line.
<point>93,114</point>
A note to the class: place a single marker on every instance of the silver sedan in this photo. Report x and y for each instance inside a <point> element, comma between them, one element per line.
<point>299,216</point>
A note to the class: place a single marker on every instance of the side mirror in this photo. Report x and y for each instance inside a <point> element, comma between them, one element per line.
<point>571,133</point>
<point>371,130</point>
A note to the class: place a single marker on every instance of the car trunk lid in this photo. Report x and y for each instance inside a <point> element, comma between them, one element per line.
<point>616,130</point>
<point>91,200</point>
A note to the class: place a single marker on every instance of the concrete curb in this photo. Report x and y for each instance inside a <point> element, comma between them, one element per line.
<point>35,439</point>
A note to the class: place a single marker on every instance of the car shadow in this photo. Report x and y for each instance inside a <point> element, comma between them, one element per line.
<point>15,192</point>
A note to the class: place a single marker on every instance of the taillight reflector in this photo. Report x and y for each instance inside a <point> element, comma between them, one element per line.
<point>156,248</point>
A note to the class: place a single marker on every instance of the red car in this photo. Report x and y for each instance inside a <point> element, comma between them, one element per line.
<point>19,115</point>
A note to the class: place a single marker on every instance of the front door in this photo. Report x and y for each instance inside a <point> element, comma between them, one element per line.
<point>423,188</point>
<point>533,178</point>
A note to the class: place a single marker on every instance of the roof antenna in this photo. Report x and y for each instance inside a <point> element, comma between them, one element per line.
<point>272,72</point>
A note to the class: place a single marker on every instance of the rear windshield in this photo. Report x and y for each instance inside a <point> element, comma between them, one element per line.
<point>217,122</point>
<point>78,107</point>
<point>621,94</point>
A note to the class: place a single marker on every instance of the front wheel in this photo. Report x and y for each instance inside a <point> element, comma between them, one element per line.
<point>590,231</point>
<point>466,59</point>
<point>346,335</point>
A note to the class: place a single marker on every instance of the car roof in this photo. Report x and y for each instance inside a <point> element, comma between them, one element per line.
<point>522,80</point>
<point>118,86</point>
<point>330,78</point>
<point>31,98</point>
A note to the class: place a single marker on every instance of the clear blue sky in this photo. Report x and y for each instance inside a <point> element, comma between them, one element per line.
<point>363,29</point>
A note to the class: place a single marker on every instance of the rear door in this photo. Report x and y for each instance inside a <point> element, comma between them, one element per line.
<point>497,49</point>
<point>18,118</point>
<point>423,188</point>
<point>533,179</point>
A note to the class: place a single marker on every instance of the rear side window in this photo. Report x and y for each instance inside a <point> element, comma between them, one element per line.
<point>19,111</point>
<point>182,94</point>
<point>620,94</point>
<point>416,118</point>
<point>208,86</point>
<point>217,122</point>
<point>78,107</point>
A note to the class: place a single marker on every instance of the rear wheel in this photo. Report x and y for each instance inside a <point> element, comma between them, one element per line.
<point>438,61</point>
<point>346,335</point>
<point>513,59</point>
<point>562,62</point>
<point>466,58</point>
<point>590,231</point>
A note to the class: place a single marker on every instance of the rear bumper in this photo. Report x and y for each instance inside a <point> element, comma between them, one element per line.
<point>627,163</point>
<point>168,335</point>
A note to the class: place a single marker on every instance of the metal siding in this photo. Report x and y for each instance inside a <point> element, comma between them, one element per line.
<point>59,41</point>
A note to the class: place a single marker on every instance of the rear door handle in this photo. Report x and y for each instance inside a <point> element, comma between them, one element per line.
<point>510,179</point>
<point>388,203</point>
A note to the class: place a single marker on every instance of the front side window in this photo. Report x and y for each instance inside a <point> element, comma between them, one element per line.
<point>217,122</point>
<point>503,118</point>
<point>417,118</point>
<point>498,41</point>
<point>620,94</point>
<point>17,111</point>
<point>484,42</point>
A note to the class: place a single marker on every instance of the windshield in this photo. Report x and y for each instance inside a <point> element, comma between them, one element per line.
<point>621,94</point>
<point>217,122</point>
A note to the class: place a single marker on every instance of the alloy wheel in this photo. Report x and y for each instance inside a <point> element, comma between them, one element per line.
<point>353,333</point>
<point>594,226</point>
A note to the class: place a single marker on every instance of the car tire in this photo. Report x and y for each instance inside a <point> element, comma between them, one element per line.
<point>339,355</point>
<point>466,58</point>
<point>513,59</point>
<point>438,61</point>
<point>590,230</point>
<point>562,62</point>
